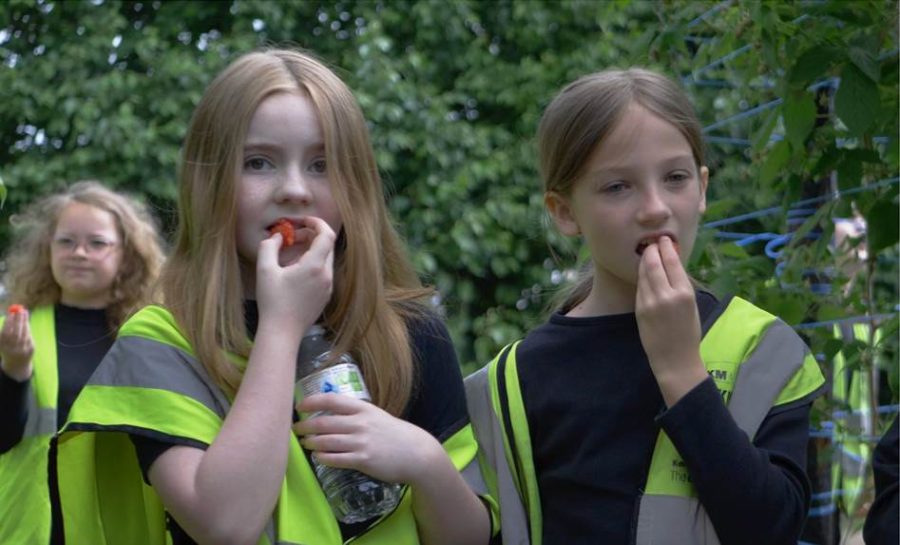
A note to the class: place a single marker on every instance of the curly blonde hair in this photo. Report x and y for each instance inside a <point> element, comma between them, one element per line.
<point>29,279</point>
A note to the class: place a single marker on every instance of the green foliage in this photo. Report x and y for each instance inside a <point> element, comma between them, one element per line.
<point>453,92</point>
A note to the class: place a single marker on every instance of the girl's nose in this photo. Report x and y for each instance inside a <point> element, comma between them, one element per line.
<point>294,188</point>
<point>654,209</point>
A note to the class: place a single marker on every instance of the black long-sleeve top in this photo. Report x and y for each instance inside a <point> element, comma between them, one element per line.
<point>82,339</point>
<point>594,412</point>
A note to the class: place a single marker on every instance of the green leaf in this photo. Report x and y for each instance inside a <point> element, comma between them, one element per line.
<point>857,101</point>
<point>811,64</point>
<point>799,113</point>
<point>761,138</point>
<point>718,208</point>
<point>827,161</point>
<point>733,250</point>
<point>775,162</point>
<point>883,229</point>
<point>832,347</point>
<point>865,61</point>
<point>849,171</point>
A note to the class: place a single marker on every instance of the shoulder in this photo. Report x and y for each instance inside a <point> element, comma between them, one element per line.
<point>772,342</point>
<point>428,336</point>
<point>438,401</point>
<point>155,323</point>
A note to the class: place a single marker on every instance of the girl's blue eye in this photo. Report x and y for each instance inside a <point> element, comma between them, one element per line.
<point>677,177</point>
<point>64,243</point>
<point>99,244</point>
<point>615,187</point>
<point>318,166</point>
<point>257,163</point>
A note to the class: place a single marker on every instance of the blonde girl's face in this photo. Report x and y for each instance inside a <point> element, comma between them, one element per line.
<point>284,176</point>
<point>639,184</point>
<point>85,255</point>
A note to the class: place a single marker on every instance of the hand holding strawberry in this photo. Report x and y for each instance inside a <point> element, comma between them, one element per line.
<point>16,344</point>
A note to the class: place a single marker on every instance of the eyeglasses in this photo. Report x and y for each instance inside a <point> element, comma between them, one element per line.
<point>96,247</point>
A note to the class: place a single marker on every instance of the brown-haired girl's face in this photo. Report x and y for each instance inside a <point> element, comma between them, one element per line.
<point>284,175</point>
<point>639,184</point>
<point>85,255</point>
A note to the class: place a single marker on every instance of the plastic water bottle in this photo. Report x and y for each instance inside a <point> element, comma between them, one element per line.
<point>353,496</point>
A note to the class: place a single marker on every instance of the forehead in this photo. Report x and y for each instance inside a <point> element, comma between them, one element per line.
<point>285,116</point>
<point>82,218</point>
<point>638,137</point>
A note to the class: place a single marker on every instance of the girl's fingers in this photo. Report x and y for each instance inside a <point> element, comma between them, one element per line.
<point>18,328</point>
<point>24,328</point>
<point>267,257</point>
<point>333,442</point>
<point>338,459</point>
<point>654,272</point>
<point>331,403</point>
<point>671,261</point>
<point>323,424</point>
<point>322,244</point>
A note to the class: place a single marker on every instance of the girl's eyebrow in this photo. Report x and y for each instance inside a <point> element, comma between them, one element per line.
<point>668,162</point>
<point>317,147</point>
<point>261,146</point>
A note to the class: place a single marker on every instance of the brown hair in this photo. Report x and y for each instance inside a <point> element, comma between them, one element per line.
<point>29,278</point>
<point>582,115</point>
<point>374,284</point>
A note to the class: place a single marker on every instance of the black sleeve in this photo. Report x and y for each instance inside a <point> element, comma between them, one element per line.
<point>14,408</point>
<point>148,449</point>
<point>738,482</point>
<point>438,401</point>
<point>883,521</point>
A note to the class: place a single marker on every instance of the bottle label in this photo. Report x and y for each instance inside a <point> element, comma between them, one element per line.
<point>343,378</point>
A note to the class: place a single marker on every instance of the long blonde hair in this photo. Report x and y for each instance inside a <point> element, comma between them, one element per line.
<point>29,278</point>
<point>375,286</point>
<point>583,114</point>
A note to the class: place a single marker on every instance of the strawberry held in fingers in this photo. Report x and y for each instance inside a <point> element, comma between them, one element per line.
<point>286,229</point>
<point>655,239</point>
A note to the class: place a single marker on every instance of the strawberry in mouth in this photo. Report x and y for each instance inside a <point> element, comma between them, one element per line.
<point>642,245</point>
<point>286,229</point>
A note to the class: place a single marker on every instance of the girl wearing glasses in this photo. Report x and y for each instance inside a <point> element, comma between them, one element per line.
<point>81,261</point>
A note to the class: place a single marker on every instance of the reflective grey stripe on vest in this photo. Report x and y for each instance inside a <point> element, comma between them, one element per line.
<point>472,475</point>
<point>153,364</point>
<point>673,520</point>
<point>146,363</point>
<point>777,356</point>
<point>676,520</point>
<point>41,420</point>
<point>489,433</point>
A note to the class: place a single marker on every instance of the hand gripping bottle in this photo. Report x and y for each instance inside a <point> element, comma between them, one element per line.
<point>353,496</point>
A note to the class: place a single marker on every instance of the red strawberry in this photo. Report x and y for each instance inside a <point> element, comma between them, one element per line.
<point>15,308</point>
<point>286,229</point>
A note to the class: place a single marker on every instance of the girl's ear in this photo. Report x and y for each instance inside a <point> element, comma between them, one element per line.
<point>561,211</point>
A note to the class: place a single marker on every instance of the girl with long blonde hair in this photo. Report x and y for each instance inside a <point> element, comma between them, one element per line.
<point>279,145</point>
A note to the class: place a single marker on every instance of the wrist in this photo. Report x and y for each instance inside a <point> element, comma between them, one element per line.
<point>19,373</point>
<point>678,381</point>
<point>432,455</point>
<point>290,330</point>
